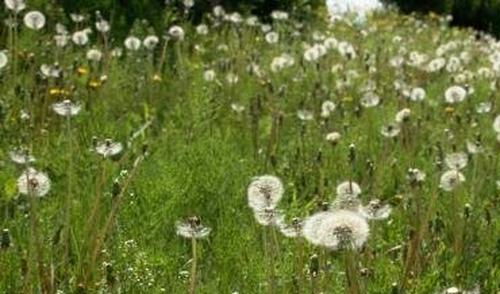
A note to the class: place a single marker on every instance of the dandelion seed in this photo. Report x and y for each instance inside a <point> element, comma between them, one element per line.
<point>192,229</point>
<point>375,210</point>
<point>21,156</point>
<point>451,179</point>
<point>264,192</point>
<point>66,108</point>
<point>457,160</point>
<point>109,148</point>
<point>455,94</point>
<point>390,130</point>
<point>34,20</point>
<point>132,43</point>
<point>15,5</point>
<point>337,230</point>
<point>33,182</point>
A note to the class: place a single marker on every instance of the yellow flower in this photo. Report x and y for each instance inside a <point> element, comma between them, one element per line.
<point>449,109</point>
<point>156,78</point>
<point>58,92</point>
<point>82,71</point>
<point>94,84</point>
<point>347,99</point>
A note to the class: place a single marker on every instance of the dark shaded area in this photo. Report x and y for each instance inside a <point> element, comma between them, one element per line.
<point>483,15</point>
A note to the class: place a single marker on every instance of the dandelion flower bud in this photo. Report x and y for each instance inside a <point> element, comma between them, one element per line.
<point>264,192</point>
<point>34,183</point>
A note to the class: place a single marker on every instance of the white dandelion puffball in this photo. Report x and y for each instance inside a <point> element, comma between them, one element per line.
<point>417,94</point>
<point>348,189</point>
<point>402,115</point>
<point>336,230</point>
<point>15,5</point>
<point>176,32</point>
<point>496,124</point>
<point>192,229</point>
<point>21,156</point>
<point>61,40</point>
<point>358,7</point>
<point>34,20</point>
<point>102,26</point>
<point>272,37</point>
<point>451,179</point>
<point>327,108</point>
<point>268,217</point>
<point>455,94</point>
<point>333,137</point>
<point>390,130</point>
<point>3,59</point>
<point>202,29</point>
<point>66,108</point>
<point>132,43</point>
<point>94,55</point>
<point>50,71</point>
<point>370,100</point>
<point>264,192</point>
<point>80,38</point>
<point>457,160</point>
<point>209,75</point>
<point>375,210</point>
<point>109,148</point>
<point>33,182</point>
<point>150,42</point>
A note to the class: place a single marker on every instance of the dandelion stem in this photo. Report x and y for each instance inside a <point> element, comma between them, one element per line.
<point>192,282</point>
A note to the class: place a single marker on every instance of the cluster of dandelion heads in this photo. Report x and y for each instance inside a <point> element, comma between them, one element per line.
<point>192,228</point>
<point>33,183</point>
<point>341,229</point>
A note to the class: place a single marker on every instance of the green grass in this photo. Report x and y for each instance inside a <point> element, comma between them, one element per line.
<point>201,156</point>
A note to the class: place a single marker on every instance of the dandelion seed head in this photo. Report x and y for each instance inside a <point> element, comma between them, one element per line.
<point>33,182</point>
<point>417,94</point>
<point>402,115</point>
<point>327,108</point>
<point>15,5</point>
<point>455,94</point>
<point>94,55</point>
<point>80,38</point>
<point>150,42</point>
<point>369,100</point>
<point>132,43</point>
<point>341,229</point>
<point>34,20</point>
<point>21,156</point>
<point>109,148</point>
<point>457,160</point>
<point>176,32</point>
<point>375,210</point>
<point>66,108</point>
<point>333,137</point>
<point>390,130</point>
<point>192,229</point>
<point>264,192</point>
<point>496,124</point>
<point>268,216</point>
<point>451,179</point>
<point>348,189</point>
<point>3,60</point>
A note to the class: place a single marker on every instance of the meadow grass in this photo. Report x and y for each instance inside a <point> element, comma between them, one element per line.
<point>193,144</point>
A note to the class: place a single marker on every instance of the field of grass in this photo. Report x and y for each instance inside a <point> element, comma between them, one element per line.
<point>151,137</point>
